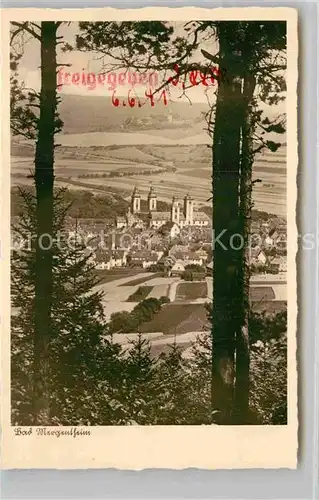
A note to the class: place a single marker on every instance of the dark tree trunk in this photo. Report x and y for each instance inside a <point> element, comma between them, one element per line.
<point>226,160</point>
<point>44,160</point>
<point>241,412</point>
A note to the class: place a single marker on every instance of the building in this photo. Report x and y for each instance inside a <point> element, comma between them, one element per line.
<point>105,259</point>
<point>143,259</point>
<point>181,215</point>
<point>170,229</point>
<point>188,258</point>
<point>258,256</point>
<point>281,263</point>
<point>269,242</point>
<point>177,269</point>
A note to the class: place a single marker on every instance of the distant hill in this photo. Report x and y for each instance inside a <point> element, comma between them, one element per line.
<point>82,114</point>
<point>161,124</point>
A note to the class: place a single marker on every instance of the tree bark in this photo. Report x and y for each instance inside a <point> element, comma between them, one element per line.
<point>241,403</point>
<point>44,178</point>
<point>226,159</point>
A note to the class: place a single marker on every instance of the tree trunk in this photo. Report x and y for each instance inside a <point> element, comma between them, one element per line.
<point>44,178</point>
<point>226,159</point>
<point>241,411</point>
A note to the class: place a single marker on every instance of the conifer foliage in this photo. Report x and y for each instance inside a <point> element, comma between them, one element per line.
<point>84,364</point>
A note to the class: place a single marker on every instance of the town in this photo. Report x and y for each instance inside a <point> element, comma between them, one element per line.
<point>167,256</point>
<point>155,258</point>
<point>172,240</point>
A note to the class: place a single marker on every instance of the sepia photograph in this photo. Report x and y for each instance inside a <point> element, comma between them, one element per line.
<point>149,231</point>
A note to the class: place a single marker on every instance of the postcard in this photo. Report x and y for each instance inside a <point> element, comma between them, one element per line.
<point>149,238</point>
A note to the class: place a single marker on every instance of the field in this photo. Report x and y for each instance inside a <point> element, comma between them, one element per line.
<point>143,142</point>
<point>138,281</point>
<point>178,319</point>
<point>143,162</point>
<point>186,312</point>
<point>271,307</point>
<point>191,291</point>
<point>122,140</point>
<point>140,294</point>
<point>106,276</point>
<point>262,293</point>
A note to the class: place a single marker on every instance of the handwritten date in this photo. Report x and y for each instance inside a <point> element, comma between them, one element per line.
<point>133,101</point>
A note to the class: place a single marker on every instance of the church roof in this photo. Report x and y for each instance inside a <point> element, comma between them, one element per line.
<point>140,217</point>
<point>201,216</point>
<point>165,216</point>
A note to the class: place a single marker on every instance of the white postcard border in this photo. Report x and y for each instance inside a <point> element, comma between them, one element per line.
<point>139,447</point>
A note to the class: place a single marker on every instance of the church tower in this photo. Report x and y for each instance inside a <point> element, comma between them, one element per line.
<point>136,201</point>
<point>175,211</point>
<point>152,200</point>
<point>189,210</point>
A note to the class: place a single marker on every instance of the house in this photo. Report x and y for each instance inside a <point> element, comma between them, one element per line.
<point>92,227</point>
<point>189,257</point>
<point>178,248</point>
<point>131,219</point>
<point>202,254</point>
<point>119,258</point>
<point>103,265</point>
<point>177,269</point>
<point>210,265</point>
<point>126,239</point>
<point>279,237</point>
<point>179,255</point>
<point>255,226</point>
<point>143,259</point>
<point>258,256</point>
<point>120,222</point>
<point>102,259</point>
<point>269,241</point>
<point>281,263</point>
<point>281,241</point>
<point>105,259</point>
<point>273,233</point>
<point>170,229</point>
<point>150,260</point>
<point>192,258</point>
<point>166,263</point>
<point>159,253</point>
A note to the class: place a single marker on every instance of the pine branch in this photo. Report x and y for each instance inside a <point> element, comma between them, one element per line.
<point>25,27</point>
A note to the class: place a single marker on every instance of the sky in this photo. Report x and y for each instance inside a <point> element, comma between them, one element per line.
<point>85,67</point>
<point>83,63</point>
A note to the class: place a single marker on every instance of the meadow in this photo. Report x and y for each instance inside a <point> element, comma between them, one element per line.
<point>142,142</point>
<point>191,291</point>
<point>176,319</point>
<point>184,168</point>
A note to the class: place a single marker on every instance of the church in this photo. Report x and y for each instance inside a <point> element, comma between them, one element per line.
<point>180,214</point>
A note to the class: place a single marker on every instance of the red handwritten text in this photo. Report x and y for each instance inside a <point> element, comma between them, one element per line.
<point>178,80</point>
